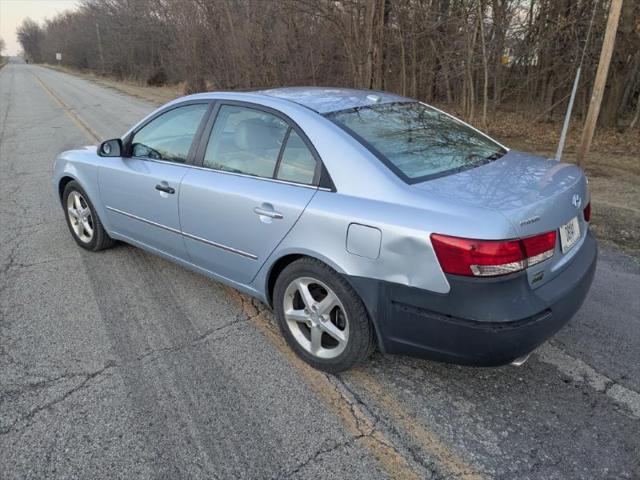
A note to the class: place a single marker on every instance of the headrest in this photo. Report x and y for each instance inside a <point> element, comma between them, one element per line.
<point>256,134</point>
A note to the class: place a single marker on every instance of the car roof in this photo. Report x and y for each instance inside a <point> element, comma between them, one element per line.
<point>328,99</point>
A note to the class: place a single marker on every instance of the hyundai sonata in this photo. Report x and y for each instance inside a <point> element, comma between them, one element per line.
<point>364,219</point>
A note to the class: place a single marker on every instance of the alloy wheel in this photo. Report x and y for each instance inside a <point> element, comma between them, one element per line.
<point>80,216</point>
<point>316,317</point>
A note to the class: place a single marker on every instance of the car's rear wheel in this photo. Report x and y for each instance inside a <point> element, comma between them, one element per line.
<point>82,219</point>
<point>321,317</point>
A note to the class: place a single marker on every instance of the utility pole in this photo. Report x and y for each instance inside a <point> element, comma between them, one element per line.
<point>601,80</point>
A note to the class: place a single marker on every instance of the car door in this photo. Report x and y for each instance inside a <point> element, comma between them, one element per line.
<point>258,173</point>
<point>140,191</point>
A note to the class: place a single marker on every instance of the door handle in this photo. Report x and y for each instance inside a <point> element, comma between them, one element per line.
<point>268,213</point>
<point>164,187</point>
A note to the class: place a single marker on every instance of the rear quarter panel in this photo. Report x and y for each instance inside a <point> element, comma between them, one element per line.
<point>406,255</point>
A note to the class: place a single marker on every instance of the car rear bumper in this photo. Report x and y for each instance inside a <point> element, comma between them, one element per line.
<point>483,322</point>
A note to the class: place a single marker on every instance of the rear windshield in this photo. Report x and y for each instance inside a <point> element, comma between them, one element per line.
<point>417,142</point>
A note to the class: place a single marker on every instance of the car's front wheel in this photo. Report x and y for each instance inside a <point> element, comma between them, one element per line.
<point>321,316</point>
<point>82,219</point>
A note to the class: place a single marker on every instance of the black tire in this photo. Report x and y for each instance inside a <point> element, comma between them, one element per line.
<point>100,239</point>
<point>361,339</point>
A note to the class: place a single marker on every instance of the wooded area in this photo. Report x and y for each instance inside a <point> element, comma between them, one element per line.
<point>478,55</point>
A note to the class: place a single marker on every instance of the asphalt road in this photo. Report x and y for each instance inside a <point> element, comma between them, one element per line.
<point>122,365</point>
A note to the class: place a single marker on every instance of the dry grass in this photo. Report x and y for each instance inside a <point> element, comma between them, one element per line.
<point>154,95</point>
<point>613,167</point>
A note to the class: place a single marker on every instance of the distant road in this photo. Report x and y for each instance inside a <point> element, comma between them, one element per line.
<point>122,365</point>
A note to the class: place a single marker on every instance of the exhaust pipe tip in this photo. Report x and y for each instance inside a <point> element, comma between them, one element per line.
<point>518,362</point>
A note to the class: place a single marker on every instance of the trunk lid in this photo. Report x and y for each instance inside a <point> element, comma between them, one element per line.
<point>535,194</point>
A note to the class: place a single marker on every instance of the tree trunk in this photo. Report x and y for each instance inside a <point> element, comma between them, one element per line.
<point>369,19</point>
<point>485,93</point>
<point>621,70</point>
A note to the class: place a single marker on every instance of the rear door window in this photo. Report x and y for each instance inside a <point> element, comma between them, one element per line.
<point>245,140</point>
<point>297,163</point>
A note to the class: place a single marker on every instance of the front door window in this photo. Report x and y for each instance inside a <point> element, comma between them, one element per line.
<point>169,136</point>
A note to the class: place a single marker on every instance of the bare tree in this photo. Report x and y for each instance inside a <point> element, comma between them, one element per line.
<point>474,55</point>
<point>31,36</point>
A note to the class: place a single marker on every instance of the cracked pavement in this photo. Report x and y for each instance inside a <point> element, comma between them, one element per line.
<point>122,365</point>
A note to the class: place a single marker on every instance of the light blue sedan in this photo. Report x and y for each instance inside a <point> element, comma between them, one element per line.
<point>364,219</point>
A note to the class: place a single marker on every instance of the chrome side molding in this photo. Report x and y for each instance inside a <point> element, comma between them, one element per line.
<point>184,234</point>
<point>144,220</point>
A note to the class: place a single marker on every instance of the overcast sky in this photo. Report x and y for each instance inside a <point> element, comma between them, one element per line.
<point>12,12</point>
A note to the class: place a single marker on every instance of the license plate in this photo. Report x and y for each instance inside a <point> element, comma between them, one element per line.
<point>569,234</point>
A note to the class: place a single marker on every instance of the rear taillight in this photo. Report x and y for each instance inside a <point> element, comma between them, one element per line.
<point>487,258</point>
<point>587,212</point>
<point>539,248</point>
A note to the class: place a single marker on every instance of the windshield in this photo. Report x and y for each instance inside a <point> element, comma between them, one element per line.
<point>417,142</point>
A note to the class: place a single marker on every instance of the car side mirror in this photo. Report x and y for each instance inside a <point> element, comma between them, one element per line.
<point>111,148</point>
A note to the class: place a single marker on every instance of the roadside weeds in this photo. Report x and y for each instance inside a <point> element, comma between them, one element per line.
<point>155,95</point>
